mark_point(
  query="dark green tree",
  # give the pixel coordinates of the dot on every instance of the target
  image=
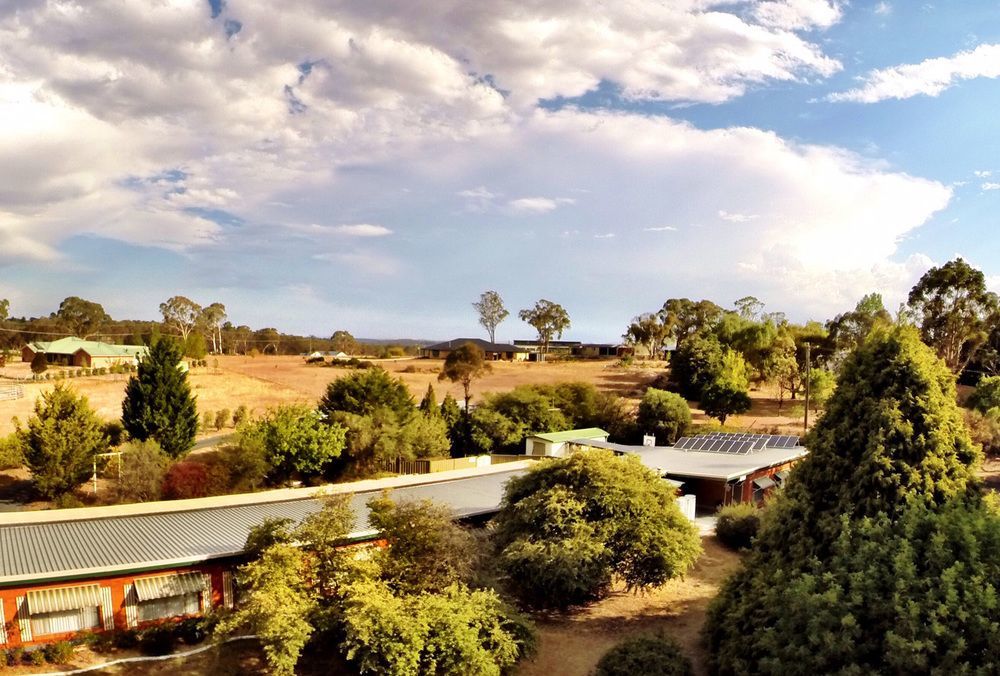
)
(696, 363)
(61, 440)
(295, 441)
(567, 526)
(986, 396)
(81, 317)
(364, 392)
(158, 401)
(39, 363)
(954, 311)
(849, 330)
(343, 341)
(645, 655)
(428, 405)
(663, 414)
(889, 461)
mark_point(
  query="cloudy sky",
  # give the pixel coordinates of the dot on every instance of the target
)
(375, 165)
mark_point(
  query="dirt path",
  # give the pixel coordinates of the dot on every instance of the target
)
(571, 645)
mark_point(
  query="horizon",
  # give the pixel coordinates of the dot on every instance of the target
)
(374, 169)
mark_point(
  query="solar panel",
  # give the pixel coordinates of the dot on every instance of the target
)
(735, 442)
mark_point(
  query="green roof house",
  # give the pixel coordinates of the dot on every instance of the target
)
(85, 353)
(556, 444)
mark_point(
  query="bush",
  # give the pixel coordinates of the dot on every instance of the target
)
(15, 656)
(58, 653)
(644, 655)
(364, 393)
(34, 658)
(663, 414)
(115, 432)
(207, 421)
(67, 501)
(11, 452)
(736, 525)
(984, 428)
(143, 467)
(186, 479)
(125, 639)
(158, 640)
(986, 395)
(191, 631)
(295, 440)
(221, 418)
(99, 641)
(240, 415)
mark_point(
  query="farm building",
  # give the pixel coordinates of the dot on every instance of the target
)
(491, 351)
(85, 353)
(555, 346)
(559, 444)
(602, 350)
(121, 567)
(719, 468)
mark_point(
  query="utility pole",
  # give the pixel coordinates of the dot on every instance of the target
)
(805, 422)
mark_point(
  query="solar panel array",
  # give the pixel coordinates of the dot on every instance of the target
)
(735, 442)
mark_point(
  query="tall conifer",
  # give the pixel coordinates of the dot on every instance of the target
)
(158, 401)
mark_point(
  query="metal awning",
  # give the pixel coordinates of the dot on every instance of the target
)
(764, 482)
(781, 476)
(165, 586)
(63, 598)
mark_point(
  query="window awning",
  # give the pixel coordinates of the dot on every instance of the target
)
(781, 476)
(63, 598)
(764, 482)
(165, 586)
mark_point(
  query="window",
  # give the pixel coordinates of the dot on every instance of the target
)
(64, 621)
(538, 448)
(170, 606)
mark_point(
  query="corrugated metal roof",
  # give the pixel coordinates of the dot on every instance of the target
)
(93, 546)
(64, 598)
(164, 586)
(572, 435)
(484, 345)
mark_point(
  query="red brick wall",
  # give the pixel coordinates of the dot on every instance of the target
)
(117, 584)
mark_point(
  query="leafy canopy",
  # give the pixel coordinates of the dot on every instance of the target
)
(364, 392)
(569, 524)
(491, 312)
(61, 440)
(663, 414)
(548, 319)
(295, 441)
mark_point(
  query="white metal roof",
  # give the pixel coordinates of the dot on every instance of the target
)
(90, 542)
(723, 466)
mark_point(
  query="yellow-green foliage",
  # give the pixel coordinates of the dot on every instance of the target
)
(736, 525)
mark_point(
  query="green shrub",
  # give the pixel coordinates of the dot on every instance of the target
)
(986, 395)
(158, 640)
(207, 421)
(99, 641)
(191, 631)
(663, 414)
(737, 525)
(67, 501)
(985, 429)
(115, 432)
(240, 415)
(221, 418)
(646, 656)
(11, 452)
(125, 639)
(34, 658)
(58, 653)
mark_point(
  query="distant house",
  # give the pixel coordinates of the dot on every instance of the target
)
(555, 346)
(558, 444)
(85, 353)
(599, 350)
(491, 351)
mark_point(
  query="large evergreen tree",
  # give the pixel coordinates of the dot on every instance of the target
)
(870, 558)
(158, 401)
(60, 441)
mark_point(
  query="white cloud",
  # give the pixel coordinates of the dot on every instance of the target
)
(737, 217)
(538, 205)
(480, 193)
(883, 8)
(662, 228)
(361, 230)
(929, 77)
(606, 235)
(798, 14)
(982, 173)
(991, 186)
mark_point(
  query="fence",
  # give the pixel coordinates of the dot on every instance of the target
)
(431, 465)
(8, 392)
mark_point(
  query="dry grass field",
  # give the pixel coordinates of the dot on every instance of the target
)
(263, 382)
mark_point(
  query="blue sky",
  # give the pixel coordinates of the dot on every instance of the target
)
(374, 167)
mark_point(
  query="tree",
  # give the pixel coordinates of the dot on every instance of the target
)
(158, 401)
(61, 440)
(695, 364)
(548, 318)
(39, 363)
(849, 330)
(821, 384)
(686, 317)
(530, 407)
(343, 341)
(465, 365)
(181, 314)
(4, 309)
(726, 394)
(644, 655)
(212, 318)
(143, 467)
(953, 310)
(295, 440)
(426, 550)
(856, 543)
(275, 605)
(491, 312)
(749, 308)
(986, 396)
(663, 414)
(81, 317)
(649, 331)
(363, 392)
(428, 405)
(561, 534)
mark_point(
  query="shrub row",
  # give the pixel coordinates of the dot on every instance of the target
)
(53, 653)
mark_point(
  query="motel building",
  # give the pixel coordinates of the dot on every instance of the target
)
(63, 572)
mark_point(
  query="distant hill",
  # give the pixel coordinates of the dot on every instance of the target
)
(405, 342)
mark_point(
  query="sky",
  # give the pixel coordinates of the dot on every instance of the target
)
(375, 166)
